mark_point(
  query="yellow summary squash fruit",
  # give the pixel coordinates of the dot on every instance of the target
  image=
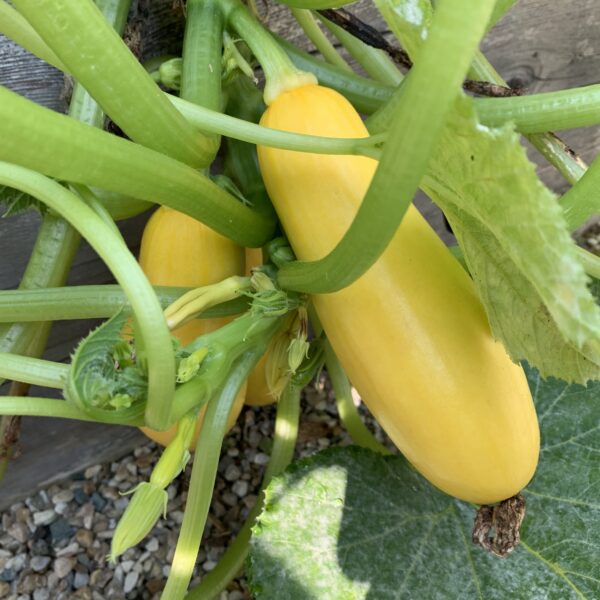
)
(257, 390)
(180, 251)
(411, 333)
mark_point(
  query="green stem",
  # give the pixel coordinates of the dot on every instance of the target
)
(15, 26)
(313, 32)
(550, 111)
(204, 472)
(551, 148)
(366, 95)
(33, 370)
(214, 122)
(91, 302)
(147, 310)
(591, 262)
(428, 94)
(375, 62)
(583, 200)
(284, 442)
(45, 407)
(60, 147)
(99, 59)
(202, 44)
(347, 410)
(280, 72)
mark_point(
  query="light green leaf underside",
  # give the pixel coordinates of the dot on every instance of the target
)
(350, 524)
(519, 252)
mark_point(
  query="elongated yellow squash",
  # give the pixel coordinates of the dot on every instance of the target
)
(411, 332)
(178, 250)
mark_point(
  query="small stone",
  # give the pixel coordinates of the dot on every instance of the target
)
(233, 452)
(261, 459)
(130, 581)
(41, 594)
(232, 473)
(155, 585)
(80, 496)
(63, 496)
(60, 530)
(29, 582)
(22, 514)
(80, 580)
(152, 545)
(52, 580)
(91, 472)
(99, 578)
(84, 538)
(63, 566)
(235, 595)
(70, 550)
(39, 563)
(177, 516)
(240, 488)
(8, 575)
(83, 593)
(254, 439)
(98, 501)
(209, 565)
(126, 565)
(84, 560)
(45, 517)
(229, 498)
(61, 508)
(19, 532)
(4, 589)
(17, 562)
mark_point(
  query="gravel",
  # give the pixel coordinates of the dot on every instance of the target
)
(53, 544)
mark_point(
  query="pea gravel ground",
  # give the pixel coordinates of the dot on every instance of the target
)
(53, 545)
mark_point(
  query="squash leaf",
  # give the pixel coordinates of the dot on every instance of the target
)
(16, 202)
(349, 523)
(522, 259)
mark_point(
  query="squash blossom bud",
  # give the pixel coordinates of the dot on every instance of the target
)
(142, 512)
(190, 365)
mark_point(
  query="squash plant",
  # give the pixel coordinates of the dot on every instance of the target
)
(435, 341)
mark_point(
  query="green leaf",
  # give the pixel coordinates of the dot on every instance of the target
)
(104, 377)
(17, 202)
(517, 247)
(349, 523)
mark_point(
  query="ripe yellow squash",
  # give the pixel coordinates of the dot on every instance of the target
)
(411, 333)
(180, 251)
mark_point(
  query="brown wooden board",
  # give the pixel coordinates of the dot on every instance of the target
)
(541, 45)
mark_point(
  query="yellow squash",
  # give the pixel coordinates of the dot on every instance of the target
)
(180, 251)
(257, 390)
(411, 332)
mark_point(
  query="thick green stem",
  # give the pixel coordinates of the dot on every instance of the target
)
(212, 121)
(365, 94)
(147, 310)
(549, 111)
(582, 201)
(375, 62)
(345, 404)
(204, 472)
(99, 59)
(284, 442)
(46, 407)
(33, 370)
(419, 117)
(591, 263)
(202, 46)
(313, 32)
(280, 72)
(551, 148)
(60, 147)
(91, 302)
(14, 26)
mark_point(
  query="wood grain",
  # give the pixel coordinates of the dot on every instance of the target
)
(540, 45)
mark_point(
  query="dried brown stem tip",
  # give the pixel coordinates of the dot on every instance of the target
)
(496, 528)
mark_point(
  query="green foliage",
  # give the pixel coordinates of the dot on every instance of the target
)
(16, 202)
(517, 247)
(353, 524)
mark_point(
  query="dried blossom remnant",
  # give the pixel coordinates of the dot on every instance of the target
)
(496, 528)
